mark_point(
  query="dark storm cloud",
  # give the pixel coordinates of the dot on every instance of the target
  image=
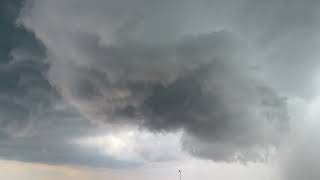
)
(202, 84)
(23, 88)
(35, 124)
(169, 65)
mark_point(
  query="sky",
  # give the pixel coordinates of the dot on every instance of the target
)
(140, 89)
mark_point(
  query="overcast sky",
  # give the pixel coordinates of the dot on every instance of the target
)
(138, 89)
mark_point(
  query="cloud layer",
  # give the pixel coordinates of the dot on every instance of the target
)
(221, 72)
(142, 69)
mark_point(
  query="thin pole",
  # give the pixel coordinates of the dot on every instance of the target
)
(180, 174)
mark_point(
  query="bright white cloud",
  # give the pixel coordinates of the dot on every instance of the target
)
(137, 146)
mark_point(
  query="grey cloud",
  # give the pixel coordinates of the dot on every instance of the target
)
(25, 95)
(280, 32)
(32, 126)
(201, 83)
(36, 124)
(52, 145)
(167, 65)
(23, 88)
(288, 40)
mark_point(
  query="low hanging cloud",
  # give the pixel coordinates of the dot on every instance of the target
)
(25, 94)
(121, 70)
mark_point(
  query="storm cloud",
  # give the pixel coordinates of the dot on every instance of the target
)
(25, 94)
(223, 73)
(139, 68)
